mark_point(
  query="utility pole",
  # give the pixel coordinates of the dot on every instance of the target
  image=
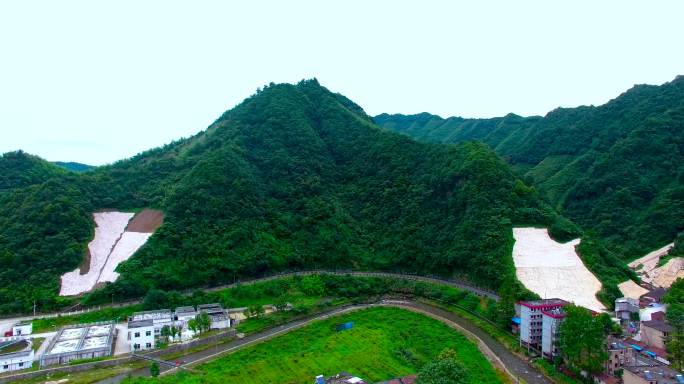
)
(34, 308)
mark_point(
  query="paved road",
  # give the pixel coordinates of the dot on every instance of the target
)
(514, 365)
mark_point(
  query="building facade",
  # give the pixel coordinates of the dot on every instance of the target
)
(654, 333)
(531, 320)
(159, 318)
(16, 353)
(141, 334)
(23, 328)
(619, 356)
(219, 317)
(625, 307)
(551, 321)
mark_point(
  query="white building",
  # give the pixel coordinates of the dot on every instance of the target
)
(185, 314)
(159, 318)
(551, 321)
(15, 353)
(23, 328)
(531, 320)
(141, 334)
(219, 317)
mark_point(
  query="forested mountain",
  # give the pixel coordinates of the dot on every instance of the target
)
(293, 177)
(73, 166)
(616, 170)
(19, 169)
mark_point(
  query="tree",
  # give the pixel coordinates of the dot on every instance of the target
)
(675, 317)
(582, 340)
(280, 302)
(165, 331)
(174, 331)
(154, 369)
(203, 322)
(193, 326)
(444, 370)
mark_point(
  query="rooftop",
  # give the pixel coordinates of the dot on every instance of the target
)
(185, 310)
(661, 374)
(556, 313)
(82, 337)
(161, 314)
(140, 323)
(656, 324)
(14, 346)
(543, 303)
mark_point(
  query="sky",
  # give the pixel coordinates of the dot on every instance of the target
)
(98, 81)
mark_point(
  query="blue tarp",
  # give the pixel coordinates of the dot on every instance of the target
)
(638, 348)
(650, 354)
(516, 320)
(345, 326)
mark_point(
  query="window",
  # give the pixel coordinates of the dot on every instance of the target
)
(21, 364)
(136, 346)
(148, 333)
(5, 366)
(137, 334)
(148, 345)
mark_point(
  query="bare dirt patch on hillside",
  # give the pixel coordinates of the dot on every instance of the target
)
(552, 269)
(146, 221)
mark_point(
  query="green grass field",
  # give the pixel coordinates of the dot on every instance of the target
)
(384, 343)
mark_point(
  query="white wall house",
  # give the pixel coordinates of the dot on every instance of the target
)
(22, 329)
(141, 334)
(20, 357)
(159, 318)
(219, 317)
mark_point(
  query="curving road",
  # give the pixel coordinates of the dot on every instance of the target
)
(514, 365)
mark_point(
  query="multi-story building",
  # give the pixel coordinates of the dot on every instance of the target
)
(141, 334)
(619, 355)
(531, 320)
(625, 307)
(551, 321)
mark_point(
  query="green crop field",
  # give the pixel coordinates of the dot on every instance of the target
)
(383, 343)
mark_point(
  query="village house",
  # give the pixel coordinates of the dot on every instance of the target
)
(22, 328)
(651, 375)
(620, 354)
(141, 334)
(654, 333)
(218, 316)
(625, 307)
(159, 318)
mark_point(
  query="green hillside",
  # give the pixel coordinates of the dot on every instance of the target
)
(295, 177)
(617, 170)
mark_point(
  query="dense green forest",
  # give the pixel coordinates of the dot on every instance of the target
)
(295, 177)
(617, 170)
(73, 166)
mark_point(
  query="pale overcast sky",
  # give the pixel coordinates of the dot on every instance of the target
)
(95, 81)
